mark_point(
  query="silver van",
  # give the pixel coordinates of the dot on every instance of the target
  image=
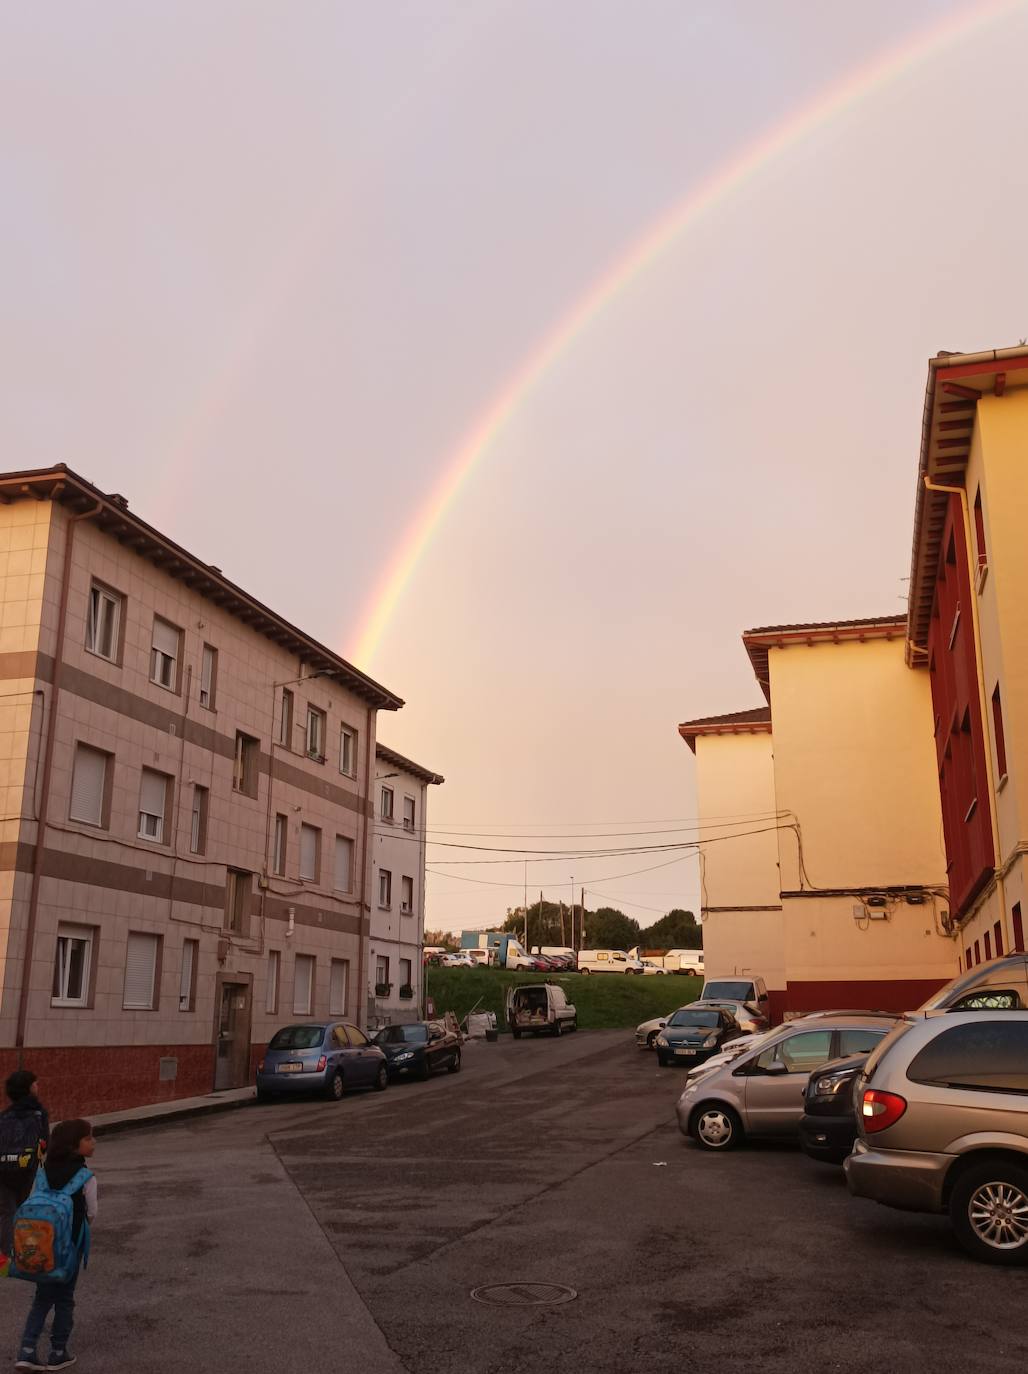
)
(760, 1092)
(737, 988)
(999, 985)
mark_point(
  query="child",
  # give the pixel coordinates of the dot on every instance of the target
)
(24, 1132)
(71, 1144)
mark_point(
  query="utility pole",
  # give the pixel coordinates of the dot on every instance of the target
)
(581, 921)
(526, 906)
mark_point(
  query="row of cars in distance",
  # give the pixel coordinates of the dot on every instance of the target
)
(331, 1057)
(510, 954)
(927, 1111)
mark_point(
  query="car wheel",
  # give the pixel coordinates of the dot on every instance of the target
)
(583, 971)
(574, 1024)
(989, 1211)
(382, 1079)
(454, 1065)
(423, 1070)
(558, 1027)
(715, 1126)
(334, 1089)
(264, 1096)
(651, 1040)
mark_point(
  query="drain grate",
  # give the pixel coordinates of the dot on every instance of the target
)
(523, 1294)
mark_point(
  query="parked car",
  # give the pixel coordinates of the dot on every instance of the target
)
(752, 991)
(320, 1056)
(943, 1127)
(761, 1091)
(750, 1022)
(999, 985)
(419, 1048)
(649, 967)
(607, 961)
(695, 1033)
(462, 959)
(539, 1008)
(828, 1126)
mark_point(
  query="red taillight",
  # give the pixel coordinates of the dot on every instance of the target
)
(323, 1063)
(881, 1109)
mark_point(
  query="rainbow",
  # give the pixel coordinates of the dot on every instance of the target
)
(827, 106)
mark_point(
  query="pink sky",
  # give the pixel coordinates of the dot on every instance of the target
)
(266, 265)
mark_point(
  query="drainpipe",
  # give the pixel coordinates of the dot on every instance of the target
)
(48, 759)
(365, 906)
(983, 702)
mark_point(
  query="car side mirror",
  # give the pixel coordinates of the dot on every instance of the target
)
(777, 1068)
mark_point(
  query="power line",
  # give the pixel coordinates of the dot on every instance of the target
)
(558, 856)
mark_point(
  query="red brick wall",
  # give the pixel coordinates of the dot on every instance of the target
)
(87, 1080)
(896, 994)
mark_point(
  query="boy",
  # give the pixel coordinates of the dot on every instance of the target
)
(71, 1144)
(24, 1132)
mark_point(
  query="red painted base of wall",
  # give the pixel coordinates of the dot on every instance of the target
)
(887, 994)
(87, 1080)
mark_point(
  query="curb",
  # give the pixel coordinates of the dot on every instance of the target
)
(150, 1119)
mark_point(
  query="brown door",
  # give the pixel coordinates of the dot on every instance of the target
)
(232, 1042)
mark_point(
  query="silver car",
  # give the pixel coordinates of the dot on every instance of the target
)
(760, 1092)
(942, 1112)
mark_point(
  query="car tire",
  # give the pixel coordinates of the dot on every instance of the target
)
(515, 1032)
(988, 1208)
(583, 971)
(558, 1027)
(381, 1079)
(423, 1070)
(264, 1096)
(715, 1126)
(334, 1088)
(651, 1039)
(574, 1024)
(454, 1065)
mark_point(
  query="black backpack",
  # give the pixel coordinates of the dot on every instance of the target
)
(21, 1134)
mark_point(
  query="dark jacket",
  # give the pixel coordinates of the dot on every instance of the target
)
(25, 1106)
(60, 1172)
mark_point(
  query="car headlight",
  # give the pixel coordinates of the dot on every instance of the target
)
(830, 1087)
(662, 1040)
(710, 1041)
(408, 1054)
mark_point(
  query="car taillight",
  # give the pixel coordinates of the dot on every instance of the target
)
(323, 1064)
(880, 1109)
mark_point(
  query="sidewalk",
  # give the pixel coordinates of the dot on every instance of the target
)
(158, 1112)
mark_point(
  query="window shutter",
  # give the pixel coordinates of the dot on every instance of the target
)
(87, 785)
(165, 638)
(302, 982)
(206, 674)
(343, 849)
(308, 851)
(140, 968)
(271, 1001)
(337, 988)
(185, 985)
(152, 792)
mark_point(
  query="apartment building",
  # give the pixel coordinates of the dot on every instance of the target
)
(398, 887)
(185, 854)
(968, 625)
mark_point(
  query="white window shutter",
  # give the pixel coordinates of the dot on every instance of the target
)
(344, 849)
(152, 792)
(206, 674)
(87, 785)
(140, 969)
(165, 638)
(337, 987)
(271, 1000)
(303, 979)
(308, 851)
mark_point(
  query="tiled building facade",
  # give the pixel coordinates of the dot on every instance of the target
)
(185, 854)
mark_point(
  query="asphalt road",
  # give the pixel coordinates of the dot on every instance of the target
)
(348, 1236)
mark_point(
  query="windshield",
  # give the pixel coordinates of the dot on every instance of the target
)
(974, 978)
(400, 1035)
(706, 1020)
(730, 990)
(298, 1038)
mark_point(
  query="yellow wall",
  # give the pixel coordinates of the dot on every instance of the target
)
(735, 791)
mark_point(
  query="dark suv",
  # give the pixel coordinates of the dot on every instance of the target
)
(828, 1126)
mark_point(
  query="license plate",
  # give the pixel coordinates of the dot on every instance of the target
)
(685, 1051)
(290, 1068)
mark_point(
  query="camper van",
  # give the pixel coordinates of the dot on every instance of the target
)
(608, 961)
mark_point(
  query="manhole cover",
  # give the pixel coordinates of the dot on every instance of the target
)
(523, 1294)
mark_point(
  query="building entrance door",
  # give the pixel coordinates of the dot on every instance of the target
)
(232, 1040)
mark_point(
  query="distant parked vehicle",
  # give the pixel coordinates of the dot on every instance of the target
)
(539, 1008)
(671, 960)
(419, 1048)
(649, 967)
(462, 959)
(752, 991)
(828, 1126)
(607, 961)
(694, 1034)
(943, 1125)
(750, 1022)
(320, 1056)
(433, 954)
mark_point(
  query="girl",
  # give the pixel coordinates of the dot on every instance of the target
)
(71, 1144)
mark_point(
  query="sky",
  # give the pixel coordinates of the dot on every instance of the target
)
(269, 269)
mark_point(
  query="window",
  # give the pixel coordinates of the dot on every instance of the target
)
(187, 977)
(153, 805)
(348, 751)
(198, 820)
(385, 888)
(238, 887)
(89, 786)
(164, 654)
(343, 881)
(310, 852)
(997, 930)
(989, 999)
(140, 971)
(278, 858)
(988, 944)
(285, 723)
(1017, 932)
(103, 623)
(1001, 744)
(274, 970)
(382, 971)
(357, 1038)
(800, 1053)
(208, 676)
(315, 734)
(245, 769)
(386, 808)
(408, 813)
(992, 1055)
(73, 963)
(979, 530)
(303, 984)
(407, 894)
(339, 977)
(858, 1041)
(968, 961)
(977, 953)
(405, 973)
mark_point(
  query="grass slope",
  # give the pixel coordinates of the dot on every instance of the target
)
(604, 1000)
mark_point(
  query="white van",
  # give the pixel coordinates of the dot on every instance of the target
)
(685, 961)
(540, 1008)
(607, 961)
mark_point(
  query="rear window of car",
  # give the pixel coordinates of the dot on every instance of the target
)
(730, 991)
(706, 1020)
(399, 1035)
(992, 1055)
(859, 1041)
(297, 1038)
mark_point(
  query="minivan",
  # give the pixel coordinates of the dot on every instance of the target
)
(942, 1111)
(539, 1008)
(736, 988)
(607, 961)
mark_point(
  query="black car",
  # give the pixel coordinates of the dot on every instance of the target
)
(693, 1034)
(419, 1048)
(828, 1127)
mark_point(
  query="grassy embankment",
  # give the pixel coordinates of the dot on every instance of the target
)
(603, 1000)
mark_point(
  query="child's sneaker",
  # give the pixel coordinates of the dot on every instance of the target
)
(59, 1359)
(27, 1359)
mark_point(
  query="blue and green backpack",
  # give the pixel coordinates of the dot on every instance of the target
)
(45, 1251)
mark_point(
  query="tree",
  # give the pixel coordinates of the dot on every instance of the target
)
(442, 939)
(609, 928)
(676, 930)
(544, 924)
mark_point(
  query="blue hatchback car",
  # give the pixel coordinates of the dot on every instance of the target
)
(320, 1056)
